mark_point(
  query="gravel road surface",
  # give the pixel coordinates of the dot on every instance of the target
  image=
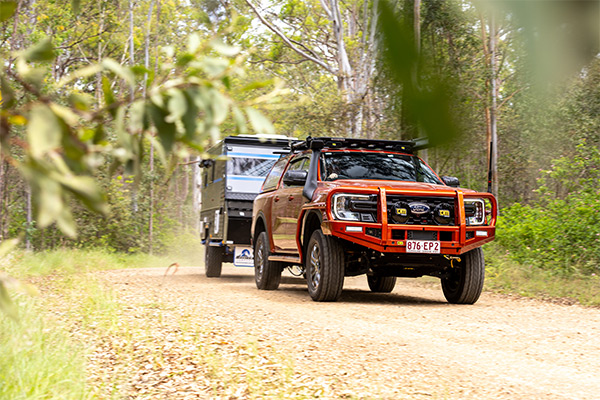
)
(409, 344)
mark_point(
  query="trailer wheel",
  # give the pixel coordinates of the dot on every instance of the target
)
(213, 261)
(465, 282)
(381, 284)
(267, 274)
(324, 267)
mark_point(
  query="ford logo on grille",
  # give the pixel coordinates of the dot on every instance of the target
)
(419, 208)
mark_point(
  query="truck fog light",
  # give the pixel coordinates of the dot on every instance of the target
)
(354, 229)
(481, 233)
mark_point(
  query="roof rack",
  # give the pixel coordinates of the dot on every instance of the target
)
(317, 143)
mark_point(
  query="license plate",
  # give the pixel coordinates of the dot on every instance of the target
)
(423, 246)
(243, 256)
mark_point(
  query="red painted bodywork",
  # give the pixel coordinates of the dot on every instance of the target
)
(321, 202)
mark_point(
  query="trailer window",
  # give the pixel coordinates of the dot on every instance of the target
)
(249, 166)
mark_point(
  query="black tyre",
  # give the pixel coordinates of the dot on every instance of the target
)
(324, 265)
(465, 282)
(381, 284)
(213, 261)
(267, 274)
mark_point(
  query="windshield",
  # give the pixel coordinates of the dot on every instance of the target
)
(372, 165)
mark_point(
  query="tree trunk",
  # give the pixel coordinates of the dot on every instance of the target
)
(28, 245)
(493, 111)
(100, 55)
(3, 214)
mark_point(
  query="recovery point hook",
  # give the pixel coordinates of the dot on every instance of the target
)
(452, 259)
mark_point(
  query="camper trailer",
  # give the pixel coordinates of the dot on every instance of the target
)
(232, 177)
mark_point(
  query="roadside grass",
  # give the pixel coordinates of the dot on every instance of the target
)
(80, 340)
(504, 275)
(38, 360)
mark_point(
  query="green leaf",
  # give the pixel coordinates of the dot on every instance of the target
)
(85, 189)
(138, 119)
(194, 42)
(420, 102)
(158, 148)
(184, 59)
(258, 85)
(7, 10)
(259, 122)
(87, 134)
(109, 96)
(44, 131)
(66, 223)
(122, 72)
(7, 246)
(41, 51)
(82, 102)
(124, 139)
(166, 130)
(177, 105)
(190, 119)
(6, 304)
(80, 73)
(220, 106)
(240, 121)
(99, 134)
(213, 66)
(76, 6)
(224, 49)
(7, 96)
(47, 197)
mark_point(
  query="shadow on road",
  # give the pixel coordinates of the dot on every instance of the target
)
(366, 297)
(295, 287)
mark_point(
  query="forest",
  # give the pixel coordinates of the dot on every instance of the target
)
(106, 104)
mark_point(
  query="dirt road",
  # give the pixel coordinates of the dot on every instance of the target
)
(408, 344)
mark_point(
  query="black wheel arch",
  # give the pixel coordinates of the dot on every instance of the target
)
(311, 222)
(259, 226)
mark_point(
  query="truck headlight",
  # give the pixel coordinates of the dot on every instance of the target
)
(475, 211)
(341, 206)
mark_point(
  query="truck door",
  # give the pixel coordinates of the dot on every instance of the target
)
(287, 203)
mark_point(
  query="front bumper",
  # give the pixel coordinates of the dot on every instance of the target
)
(387, 237)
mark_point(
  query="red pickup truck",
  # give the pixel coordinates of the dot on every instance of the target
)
(339, 207)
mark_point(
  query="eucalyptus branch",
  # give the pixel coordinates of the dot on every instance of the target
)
(287, 41)
(511, 96)
(263, 60)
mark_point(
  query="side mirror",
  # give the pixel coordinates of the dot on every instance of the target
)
(295, 178)
(451, 181)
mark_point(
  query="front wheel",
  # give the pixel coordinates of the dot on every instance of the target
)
(464, 283)
(381, 284)
(324, 267)
(267, 274)
(213, 261)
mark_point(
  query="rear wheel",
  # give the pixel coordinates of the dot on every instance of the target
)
(465, 282)
(324, 267)
(213, 261)
(381, 284)
(267, 274)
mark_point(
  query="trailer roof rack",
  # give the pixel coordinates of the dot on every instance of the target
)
(317, 143)
(277, 140)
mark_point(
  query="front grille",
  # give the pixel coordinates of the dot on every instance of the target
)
(412, 210)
